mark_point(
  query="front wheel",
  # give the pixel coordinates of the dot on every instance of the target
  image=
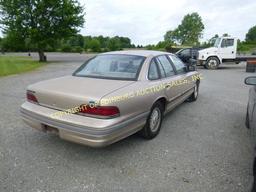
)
(154, 121)
(194, 95)
(212, 63)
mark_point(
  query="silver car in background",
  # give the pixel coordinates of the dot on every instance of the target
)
(250, 120)
(111, 96)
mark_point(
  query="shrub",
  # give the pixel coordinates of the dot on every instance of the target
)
(66, 48)
(94, 45)
(77, 49)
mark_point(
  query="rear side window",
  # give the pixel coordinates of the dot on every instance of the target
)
(185, 52)
(153, 71)
(166, 65)
(227, 43)
(179, 65)
(230, 42)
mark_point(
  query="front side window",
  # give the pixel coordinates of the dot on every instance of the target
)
(166, 65)
(179, 65)
(153, 71)
(126, 67)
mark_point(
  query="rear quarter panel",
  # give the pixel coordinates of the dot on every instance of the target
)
(135, 99)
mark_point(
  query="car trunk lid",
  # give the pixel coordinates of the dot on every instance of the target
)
(71, 91)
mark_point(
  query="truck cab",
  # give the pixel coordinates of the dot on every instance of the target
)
(224, 50)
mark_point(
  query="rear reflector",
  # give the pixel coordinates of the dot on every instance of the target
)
(31, 97)
(103, 111)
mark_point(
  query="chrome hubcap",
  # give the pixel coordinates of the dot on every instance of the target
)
(213, 63)
(155, 118)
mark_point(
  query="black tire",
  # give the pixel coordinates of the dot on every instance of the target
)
(194, 95)
(148, 132)
(247, 119)
(212, 63)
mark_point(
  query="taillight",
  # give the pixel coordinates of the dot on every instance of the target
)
(31, 97)
(101, 111)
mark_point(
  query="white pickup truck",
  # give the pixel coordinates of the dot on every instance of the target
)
(224, 50)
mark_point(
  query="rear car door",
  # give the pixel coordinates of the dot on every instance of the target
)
(169, 77)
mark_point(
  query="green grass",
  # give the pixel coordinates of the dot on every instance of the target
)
(17, 64)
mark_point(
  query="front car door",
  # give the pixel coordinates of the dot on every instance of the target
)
(186, 83)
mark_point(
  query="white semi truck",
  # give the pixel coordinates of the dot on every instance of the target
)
(224, 50)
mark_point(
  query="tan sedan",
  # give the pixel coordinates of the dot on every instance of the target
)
(111, 96)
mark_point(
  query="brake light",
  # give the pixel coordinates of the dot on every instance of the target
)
(103, 111)
(31, 97)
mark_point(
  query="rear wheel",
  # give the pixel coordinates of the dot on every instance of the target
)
(212, 63)
(154, 121)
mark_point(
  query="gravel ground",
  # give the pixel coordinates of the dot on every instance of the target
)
(203, 146)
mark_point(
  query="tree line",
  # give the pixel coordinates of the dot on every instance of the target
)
(76, 43)
(53, 25)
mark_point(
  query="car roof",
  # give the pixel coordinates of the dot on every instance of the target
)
(144, 53)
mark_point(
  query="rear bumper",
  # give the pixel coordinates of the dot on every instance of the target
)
(79, 129)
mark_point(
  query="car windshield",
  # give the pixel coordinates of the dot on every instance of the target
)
(217, 42)
(126, 67)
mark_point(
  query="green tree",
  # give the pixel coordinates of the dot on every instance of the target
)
(125, 42)
(150, 47)
(13, 42)
(251, 35)
(114, 44)
(170, 37)
(1, 45)
(87, 40)
(188, 32)
(94, 45)
(76, 41)
(43, 22)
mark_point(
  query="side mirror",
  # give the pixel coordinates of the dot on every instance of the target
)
(250, 80)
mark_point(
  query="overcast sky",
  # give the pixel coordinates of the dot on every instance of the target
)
(146, 21)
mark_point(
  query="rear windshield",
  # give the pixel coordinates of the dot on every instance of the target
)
(126, 67)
